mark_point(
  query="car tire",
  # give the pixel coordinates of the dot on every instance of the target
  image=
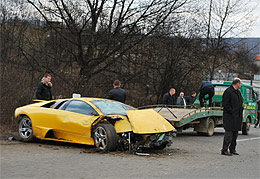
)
(105, 137)
(25, 129)
(246, 127)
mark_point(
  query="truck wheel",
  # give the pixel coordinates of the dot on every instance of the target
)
(211, 126)
(246, 127)
(105, 137)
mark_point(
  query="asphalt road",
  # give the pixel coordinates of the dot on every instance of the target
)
(190, 156)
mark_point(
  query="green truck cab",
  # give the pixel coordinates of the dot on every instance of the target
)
(249, 96)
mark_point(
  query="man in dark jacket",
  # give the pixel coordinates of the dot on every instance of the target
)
(232, 116)
(169, 98)
(206, 88)
(44, 88)
(117, 93)
(190, 99)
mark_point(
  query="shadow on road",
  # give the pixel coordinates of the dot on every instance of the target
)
(192, 133)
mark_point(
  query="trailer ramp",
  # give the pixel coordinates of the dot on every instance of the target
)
(179, 113)
(182, 116)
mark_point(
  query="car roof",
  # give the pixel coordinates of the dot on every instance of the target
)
(87, 99)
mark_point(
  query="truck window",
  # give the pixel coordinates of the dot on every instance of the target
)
(219, 90)
(249, 94)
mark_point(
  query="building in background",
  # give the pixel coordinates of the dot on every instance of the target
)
(257, 60)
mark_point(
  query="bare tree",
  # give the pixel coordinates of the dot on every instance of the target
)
(98, 33)
(223, 19)
(13, 75)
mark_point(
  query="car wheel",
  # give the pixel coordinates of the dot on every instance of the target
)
(25, 129)
(211, 126)
(246, 127)
(105, 137)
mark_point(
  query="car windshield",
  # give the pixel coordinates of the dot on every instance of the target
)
(112, 107)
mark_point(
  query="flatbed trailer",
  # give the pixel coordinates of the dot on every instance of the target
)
(203, 120)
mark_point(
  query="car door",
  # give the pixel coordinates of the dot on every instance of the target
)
(75, 121)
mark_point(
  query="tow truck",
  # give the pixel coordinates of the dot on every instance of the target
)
(205, 120)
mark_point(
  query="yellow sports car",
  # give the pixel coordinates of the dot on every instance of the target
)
(107, 124)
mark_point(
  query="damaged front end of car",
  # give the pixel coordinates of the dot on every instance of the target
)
(137, 130)
(136, 142)
(160, 141)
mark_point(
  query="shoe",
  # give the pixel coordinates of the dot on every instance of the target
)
(226, 153)
(234, 153)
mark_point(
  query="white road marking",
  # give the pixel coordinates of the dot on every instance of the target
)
(248, 139)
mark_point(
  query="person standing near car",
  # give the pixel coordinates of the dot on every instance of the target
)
(44, 88)
(181, 100)
(232, 117)
(190, 99)
(169, 97)
(117, 94)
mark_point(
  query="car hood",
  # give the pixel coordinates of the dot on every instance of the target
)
(148, 121)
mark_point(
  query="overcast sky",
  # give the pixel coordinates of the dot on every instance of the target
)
(256, 28)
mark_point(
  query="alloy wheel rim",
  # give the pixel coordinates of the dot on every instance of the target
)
(100, 138)
(25, 128)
